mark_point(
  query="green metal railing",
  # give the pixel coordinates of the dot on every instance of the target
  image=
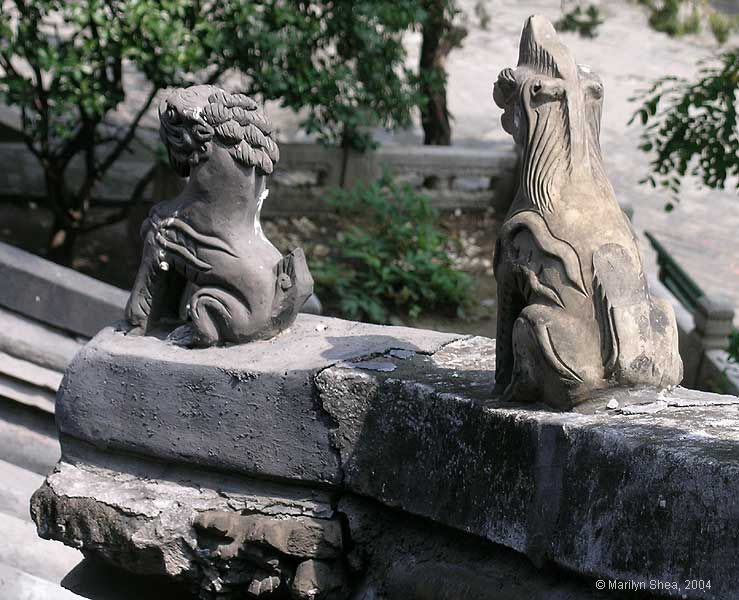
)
(675, 279)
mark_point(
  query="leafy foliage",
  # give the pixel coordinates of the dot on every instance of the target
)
(341, 60)
(665, 16)
(482, 14)
(585, 22)
(733, 348)
(62, 63)
(669, 16)
(722, 25)
(389, 257)
(692, 127)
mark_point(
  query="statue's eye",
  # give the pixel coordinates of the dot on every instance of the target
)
(536, 88)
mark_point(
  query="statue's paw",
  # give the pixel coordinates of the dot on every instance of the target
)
(135, 330)
(137, 310)
(503, 393)
(184, 335)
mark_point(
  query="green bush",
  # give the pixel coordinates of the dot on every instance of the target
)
(665, 16)
(390, 257)
(721, 26)
(585, 22)
(669, 17)
(733, 348)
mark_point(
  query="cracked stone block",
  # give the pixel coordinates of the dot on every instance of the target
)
(257, 453)
(223, 536)
(248, 408)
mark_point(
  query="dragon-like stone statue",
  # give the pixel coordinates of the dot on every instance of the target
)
(207, 266)
(575, 313)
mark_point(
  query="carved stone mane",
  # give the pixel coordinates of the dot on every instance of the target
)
(234, 120)
(574, 312)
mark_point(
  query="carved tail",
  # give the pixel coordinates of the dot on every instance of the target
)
(294, 286)
(638, 334)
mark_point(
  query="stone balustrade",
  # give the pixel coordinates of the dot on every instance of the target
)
(368, 462)
(466, 178)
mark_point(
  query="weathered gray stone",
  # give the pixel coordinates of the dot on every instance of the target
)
(403, 418)
(617, 496)
(248, 408)
(56, 295)
(27, 437)
(714, 318)
(303, 537)
(219, 533)
(227, 281)
(24, 392)
(34, 342)
(407, 558)
(574, 310)
(319, 580)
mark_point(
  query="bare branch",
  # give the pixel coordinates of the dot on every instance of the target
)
(123, 143)
(136, 197)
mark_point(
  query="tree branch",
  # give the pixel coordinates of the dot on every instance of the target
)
(123, 143)
(135, 199)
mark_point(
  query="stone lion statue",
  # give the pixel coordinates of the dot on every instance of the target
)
(575, 313)
(207, 267)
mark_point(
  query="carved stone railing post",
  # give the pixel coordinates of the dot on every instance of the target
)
(714, 317)
(706, 360)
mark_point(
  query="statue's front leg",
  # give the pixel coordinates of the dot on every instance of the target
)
(139, 306)
(509, 308)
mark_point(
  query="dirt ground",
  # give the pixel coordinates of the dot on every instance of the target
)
(111, 254)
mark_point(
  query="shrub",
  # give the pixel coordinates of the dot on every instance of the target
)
(721, 26)
(668, 16)
(585, 22)
(733, 348)
(389, 257)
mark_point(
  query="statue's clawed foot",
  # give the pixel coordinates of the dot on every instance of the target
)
(185, 335)
(135, 330)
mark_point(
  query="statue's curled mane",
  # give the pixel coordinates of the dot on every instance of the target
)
(192, 117)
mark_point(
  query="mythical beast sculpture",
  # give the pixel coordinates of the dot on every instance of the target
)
(206, 260)
(574, 310)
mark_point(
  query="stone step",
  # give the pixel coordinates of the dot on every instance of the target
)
(26, 393)
(16, 490)
(98, 580)
(56, 295)
(16, 584)
(30, 372)
(35, 342)
(28, 437)
(21, 548)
